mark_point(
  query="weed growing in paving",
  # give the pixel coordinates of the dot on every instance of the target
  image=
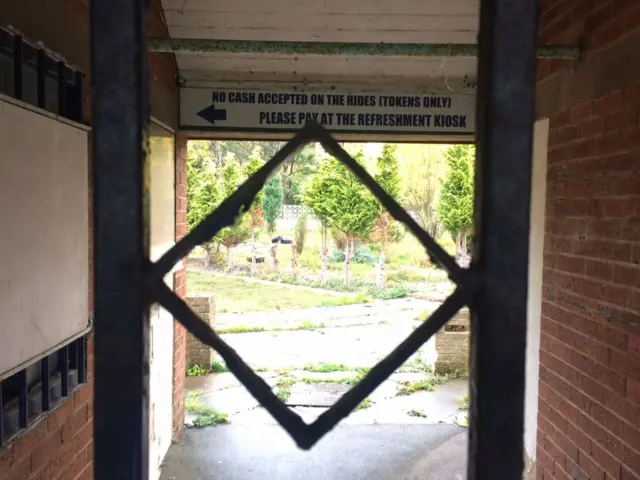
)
(343, 380)
(219, 367)
(309, 325)
(286, 382)
(417, 413)
(407, 388)
(463, 402)
(283, 394)
(205, 416)
(242, 329)
(325, 367)
(196, 371)
(366, 403)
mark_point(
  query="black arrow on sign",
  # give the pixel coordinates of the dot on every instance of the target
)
(211, 114)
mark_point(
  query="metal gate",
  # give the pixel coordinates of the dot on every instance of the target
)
(495, 286)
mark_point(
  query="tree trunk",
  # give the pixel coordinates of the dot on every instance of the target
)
(463, 247)
(324, 253)
(347, 263)
(294, 263)
(207, 257)
(253, 252)
(274, 257)
(229, 259)
(380, 272)
(458, 240)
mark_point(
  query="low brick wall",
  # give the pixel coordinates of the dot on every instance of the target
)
(452, 345)
(197, 352)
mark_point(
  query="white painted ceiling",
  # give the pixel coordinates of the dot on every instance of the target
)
(369, 21)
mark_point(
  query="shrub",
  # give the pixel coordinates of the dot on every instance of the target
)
(363, 255)
(397, 291)
(300, 232)
(310, 258)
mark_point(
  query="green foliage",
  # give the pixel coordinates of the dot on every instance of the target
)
(363, 255)
(325, 367)
(203, 195)
(407, 388)
(455, 209)
(239, 232)
(196, 371)
(417, 413)
(391, 293)
(272, 201)
(300, 232)
(296, 173)
(218, 366)
(388, 176)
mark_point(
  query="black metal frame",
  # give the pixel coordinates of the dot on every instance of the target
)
(495, 287)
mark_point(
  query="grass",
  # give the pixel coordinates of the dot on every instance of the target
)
(343, 380)
(325, 367)
(344, 300)
(407, 388)
(286, 382)
(205, 416)
(417, 413)
(237, 296)
(243, 329)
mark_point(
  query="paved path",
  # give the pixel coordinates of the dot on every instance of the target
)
(349, 452)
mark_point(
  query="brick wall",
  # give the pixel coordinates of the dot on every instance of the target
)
(199, 353)
(180, 287)
(59, 446)
(589, 391)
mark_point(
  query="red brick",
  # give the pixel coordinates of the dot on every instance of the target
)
(72, 470)
(556, 453)
(60, 415)
(608, 143)
(87, 473)
(609, 103)
(634, 345)
(627, 455)
(601, 270)
(83, 395)
(616, 208)
(6, 460)
(628, 475)
(627, 275)
(606, 419)
(545, 460)
(631, 436)
(626, 364)
(606, 461)
(633, 390)
(29, 440)
(74, 424)
(64, 456)
(21, 469)
(591, 468)
(610, 378)
(625, 118)
(580, 438)
(592, 429)
(46, 450)
(582, 111)
(592, 127)
(614, 294)
(83, 437)
(604, 250)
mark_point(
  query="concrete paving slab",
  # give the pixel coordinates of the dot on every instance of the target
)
(349, 452)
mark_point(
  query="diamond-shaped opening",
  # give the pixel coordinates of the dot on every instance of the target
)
(313, 313)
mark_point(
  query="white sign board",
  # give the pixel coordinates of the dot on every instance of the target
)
(288, 111)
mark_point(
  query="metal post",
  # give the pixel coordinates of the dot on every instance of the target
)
(120, 114)
(506, 83)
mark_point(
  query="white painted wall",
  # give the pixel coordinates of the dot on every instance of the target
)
(161, 163)
(44, 231)
(534, 302)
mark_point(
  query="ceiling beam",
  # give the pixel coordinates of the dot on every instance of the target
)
(202, 45)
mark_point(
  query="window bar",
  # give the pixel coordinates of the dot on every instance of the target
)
(18, 54)
(120, 114)
(23, 403)
(505, 96)
(82, 359)
(78, 97)
(62, 89)
(42, 78)
(63, 366)
(1, 416)
(44, 382)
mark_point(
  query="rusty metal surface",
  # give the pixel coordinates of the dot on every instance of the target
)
(201, 45)
(506, 87)
(120, 113)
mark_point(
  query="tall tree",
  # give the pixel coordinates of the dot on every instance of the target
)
(203, 195)
(232, 236)
(255, 217)
(272, 201)
(296, 172)
(314, 197)
(388, 177)
(353, 210)
(455, 208)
